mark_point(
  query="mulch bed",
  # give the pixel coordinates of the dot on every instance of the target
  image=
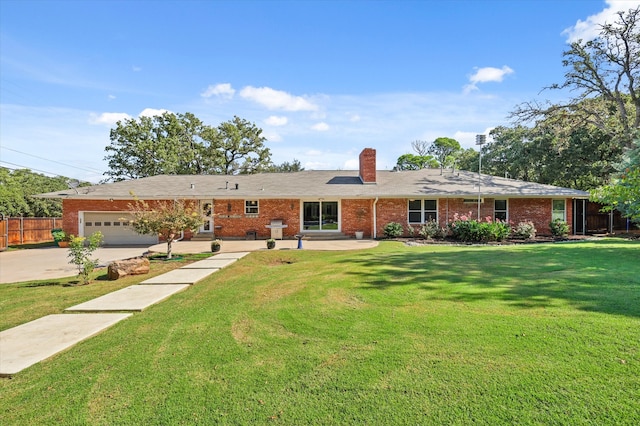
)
(509, 241)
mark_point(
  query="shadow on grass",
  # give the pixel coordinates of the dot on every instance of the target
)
(32, 246)
(52, 284)
(595, 276)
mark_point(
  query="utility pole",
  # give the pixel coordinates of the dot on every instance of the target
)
(480, 140)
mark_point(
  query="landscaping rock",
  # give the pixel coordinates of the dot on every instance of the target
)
(132, 266)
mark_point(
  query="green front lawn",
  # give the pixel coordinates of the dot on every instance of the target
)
(532, 334)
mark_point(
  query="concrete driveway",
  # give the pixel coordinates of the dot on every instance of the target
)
(52, 262)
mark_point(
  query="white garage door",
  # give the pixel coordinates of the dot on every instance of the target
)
(115, 229)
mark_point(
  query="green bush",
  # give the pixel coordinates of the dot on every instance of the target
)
(470, 230)
(392, 230)
(58, 235)
(465, 229)
(431, 229)
(497, 230)
(559, 228)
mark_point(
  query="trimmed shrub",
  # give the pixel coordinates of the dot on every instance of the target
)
(497, 230)
(470, 230)
(431, 229)
(392, 230)
(559, 228)
(524, 230)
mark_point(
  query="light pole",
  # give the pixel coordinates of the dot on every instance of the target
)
(480, 140)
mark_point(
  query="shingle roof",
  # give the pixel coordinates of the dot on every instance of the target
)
(318, 183)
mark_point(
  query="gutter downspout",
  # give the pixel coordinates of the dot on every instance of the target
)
(375, 219)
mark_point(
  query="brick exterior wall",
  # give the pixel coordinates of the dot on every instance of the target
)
(231, 221)
(536, 210)
(391, 210)
(230, 217)
(357, 215)
(368, 165)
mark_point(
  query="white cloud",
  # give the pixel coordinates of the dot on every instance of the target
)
(151, 112)
(223, 90)
(354, 118)
(136, 68)
(109, 118)
(590, 27)
(277, 99)
(320, 127)
(487, 75)
(275, 120)
(111, 97)
(314, 153)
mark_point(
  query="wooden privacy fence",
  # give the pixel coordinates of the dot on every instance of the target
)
(26, 230)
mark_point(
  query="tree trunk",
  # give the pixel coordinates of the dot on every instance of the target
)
(169, 242)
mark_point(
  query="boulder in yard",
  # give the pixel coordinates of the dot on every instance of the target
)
(133, 266)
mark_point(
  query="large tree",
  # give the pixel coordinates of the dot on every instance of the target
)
(604, 74)
(623, 194)
(237, 146)
(183, 144)
(467, 159)
(415, 162)
(580, 158)
(444, 150)
(17, 188)
(163, 144)
(286, 167)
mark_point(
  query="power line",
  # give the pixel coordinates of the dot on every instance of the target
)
(52, 161)
(36, 170)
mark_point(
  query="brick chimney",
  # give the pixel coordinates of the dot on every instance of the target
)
(368, 165)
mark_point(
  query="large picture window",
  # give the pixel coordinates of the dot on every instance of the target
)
(559, 210)
(422, 211)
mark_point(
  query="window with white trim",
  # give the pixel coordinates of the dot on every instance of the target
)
(559, 210)
(251, 207)
(422, 211)
(500, 210)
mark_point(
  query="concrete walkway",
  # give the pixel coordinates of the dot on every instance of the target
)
(27, 344)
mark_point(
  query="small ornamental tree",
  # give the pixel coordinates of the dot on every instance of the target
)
(80, 250)
(167, 219)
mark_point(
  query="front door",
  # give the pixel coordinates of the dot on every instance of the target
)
(206, 209)
(320, 216)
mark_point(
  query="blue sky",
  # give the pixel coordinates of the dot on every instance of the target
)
(323, 79)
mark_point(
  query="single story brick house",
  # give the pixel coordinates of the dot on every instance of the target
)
(320, 202)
